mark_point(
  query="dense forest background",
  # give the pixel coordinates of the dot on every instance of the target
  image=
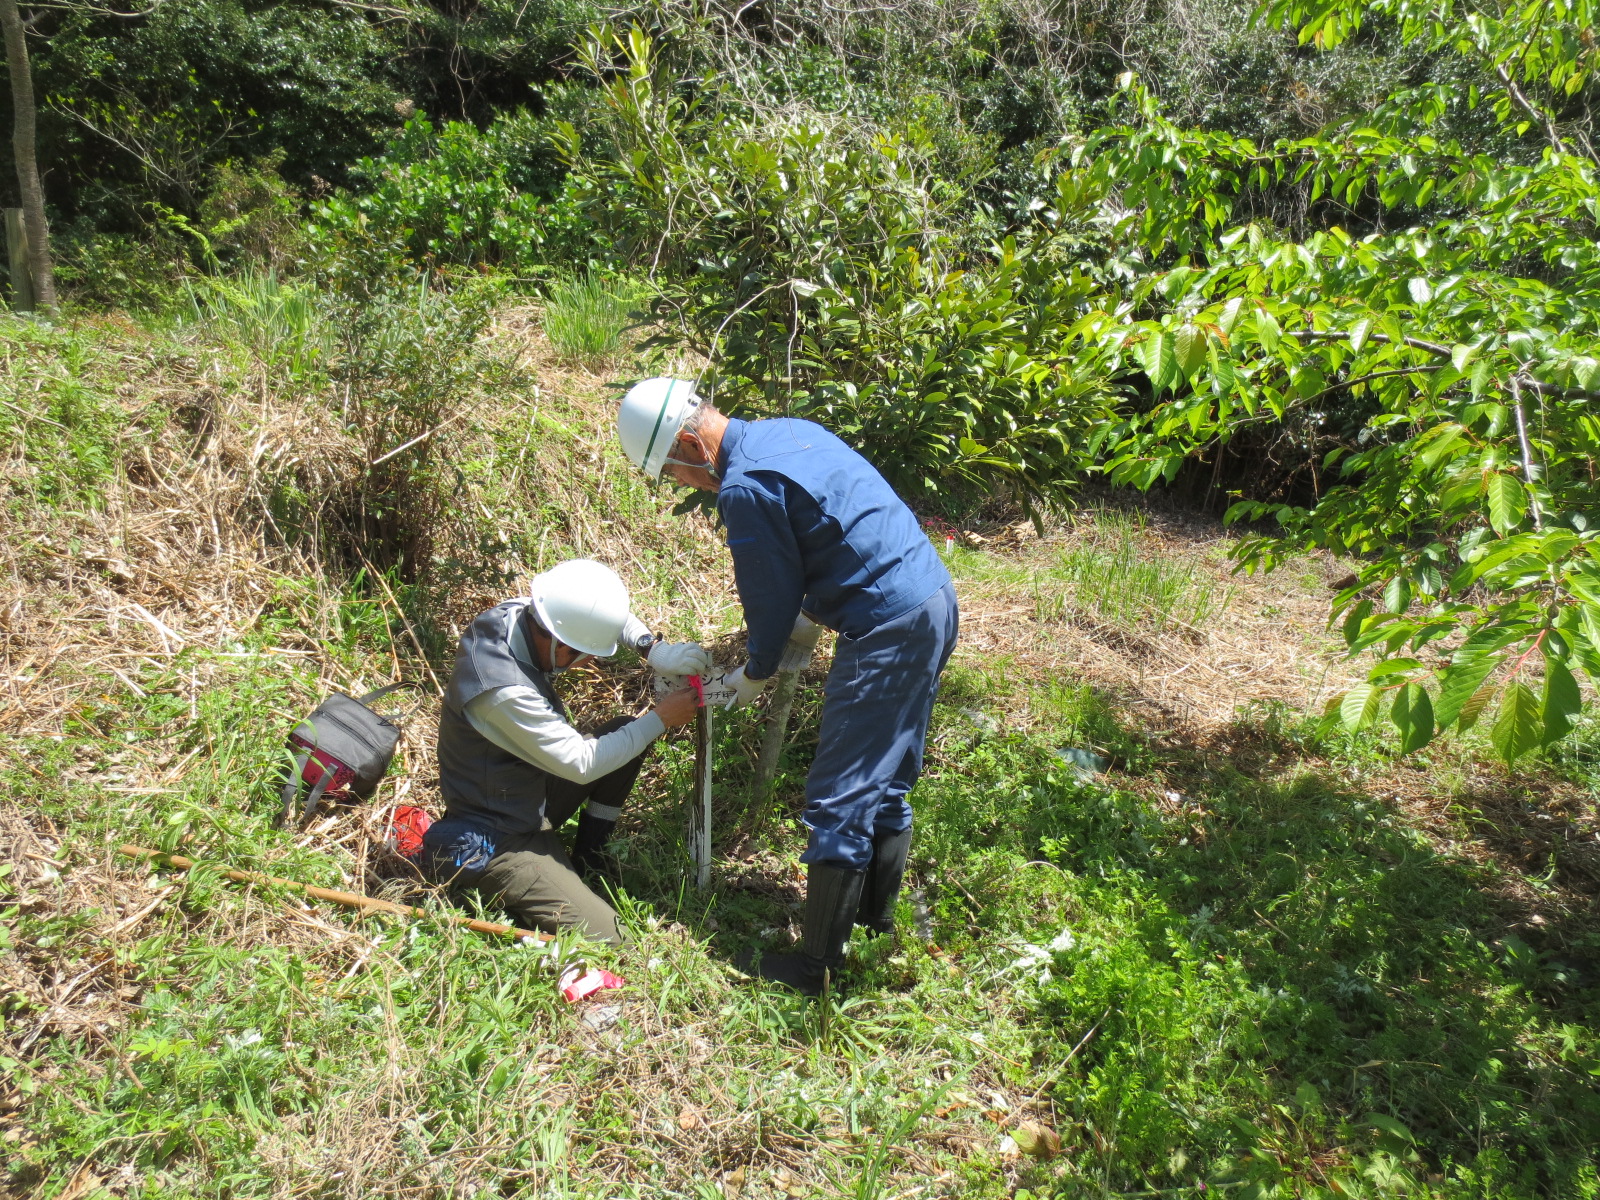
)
(1328, 261)
(148, 106)
(1243, 360)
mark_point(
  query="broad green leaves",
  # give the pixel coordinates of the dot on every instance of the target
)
(1189, 350)
(1518, 729)
(1359, 707)
(1460, 684)
(1507, 503)
(1157, 356)
(810, 262)
(1441, 375)
(1413, 717)
(1562, 702)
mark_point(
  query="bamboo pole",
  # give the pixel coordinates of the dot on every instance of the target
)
(366, 904)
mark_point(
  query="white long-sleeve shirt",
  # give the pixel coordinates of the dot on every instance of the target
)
(522, 722)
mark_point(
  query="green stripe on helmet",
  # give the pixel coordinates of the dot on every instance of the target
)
(656, 431)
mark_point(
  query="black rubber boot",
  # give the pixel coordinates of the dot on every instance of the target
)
(884, 877)
(832, 896)
(589, 854)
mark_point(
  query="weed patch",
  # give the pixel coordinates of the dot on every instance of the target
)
(586, 315)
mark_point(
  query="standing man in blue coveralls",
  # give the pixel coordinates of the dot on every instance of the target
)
(817, 534)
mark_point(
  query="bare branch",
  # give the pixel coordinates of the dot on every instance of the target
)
(1538, 114)
(94, 10)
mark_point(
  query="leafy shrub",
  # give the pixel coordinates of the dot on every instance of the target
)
(408, 356)
(118, 270)
(1435, 382)
(199, 83)
(814, 265)
(445, 196)
(251, 215)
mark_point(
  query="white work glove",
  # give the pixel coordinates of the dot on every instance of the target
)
(802, 644)
(679, 658)
(744, 690)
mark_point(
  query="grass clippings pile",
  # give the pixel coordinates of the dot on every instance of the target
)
(1143, 604)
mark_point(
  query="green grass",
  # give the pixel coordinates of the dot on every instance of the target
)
(1111, 572)
(279, 323)
(586, 315)
(1237, 972)
(59, 428)
(1277, 986)
(1127, 586)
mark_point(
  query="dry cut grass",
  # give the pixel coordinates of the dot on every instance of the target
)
(1263, 639)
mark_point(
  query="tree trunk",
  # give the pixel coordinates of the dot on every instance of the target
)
(23, 146)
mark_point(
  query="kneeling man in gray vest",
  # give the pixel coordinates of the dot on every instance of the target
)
(513, 770)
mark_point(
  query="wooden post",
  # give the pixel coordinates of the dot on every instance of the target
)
(772, 736)
(22, 297)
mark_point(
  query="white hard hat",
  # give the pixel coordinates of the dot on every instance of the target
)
(582, 604)
(652, 415)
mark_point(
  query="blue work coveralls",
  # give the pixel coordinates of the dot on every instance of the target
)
(811, 524)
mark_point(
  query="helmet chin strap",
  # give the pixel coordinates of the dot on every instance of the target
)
(550, 654)
(705, 464)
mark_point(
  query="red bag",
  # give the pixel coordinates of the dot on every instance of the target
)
(407, 824)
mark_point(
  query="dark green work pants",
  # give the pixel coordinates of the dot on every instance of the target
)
(533, 879)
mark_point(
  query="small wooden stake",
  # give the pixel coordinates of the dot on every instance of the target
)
(22, 298)
(777, 728)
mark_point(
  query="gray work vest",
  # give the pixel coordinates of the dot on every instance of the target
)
(481, 782)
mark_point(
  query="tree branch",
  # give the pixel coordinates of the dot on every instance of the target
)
(95, 10)
(1527, 106)
(1521, 379)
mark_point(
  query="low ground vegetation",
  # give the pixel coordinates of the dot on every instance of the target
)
(1207, 894)
(1248, 953)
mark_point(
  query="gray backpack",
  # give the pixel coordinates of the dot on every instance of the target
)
(340, 751)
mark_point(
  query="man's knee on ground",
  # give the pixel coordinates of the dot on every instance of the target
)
(538, 890)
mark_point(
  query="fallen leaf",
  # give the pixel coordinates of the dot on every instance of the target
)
(83, 1181)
